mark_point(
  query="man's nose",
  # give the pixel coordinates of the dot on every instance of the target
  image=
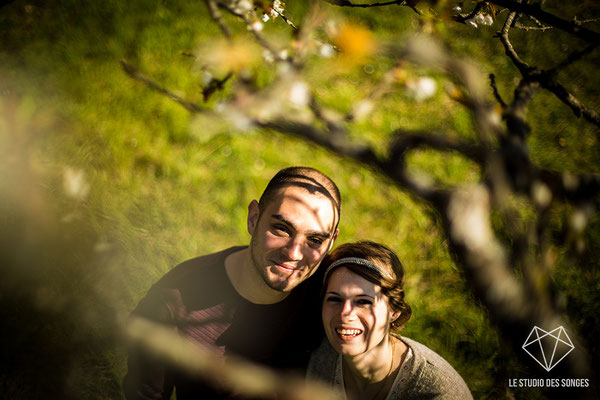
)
(293, 250)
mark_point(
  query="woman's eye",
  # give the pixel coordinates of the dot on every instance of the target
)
(333, 299)
(364, 302)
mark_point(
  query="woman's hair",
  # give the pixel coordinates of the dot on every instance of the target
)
(385, 260)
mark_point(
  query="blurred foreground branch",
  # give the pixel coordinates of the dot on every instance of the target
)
(236, 375)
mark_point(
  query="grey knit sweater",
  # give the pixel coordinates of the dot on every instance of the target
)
(424, 374)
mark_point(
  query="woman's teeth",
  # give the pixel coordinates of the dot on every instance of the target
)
(348, 332)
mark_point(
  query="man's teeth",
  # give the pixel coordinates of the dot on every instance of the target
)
(348, 332)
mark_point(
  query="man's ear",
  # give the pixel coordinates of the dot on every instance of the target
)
(335, 235)
(253, 213)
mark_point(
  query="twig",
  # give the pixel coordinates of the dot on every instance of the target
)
(508, 47)
(535, 10)
(135, 74)
(575, 56)
(346, 3)
(495, 91)
(215, 14)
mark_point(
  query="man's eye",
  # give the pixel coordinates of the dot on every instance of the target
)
(281, 228)
(316, 241)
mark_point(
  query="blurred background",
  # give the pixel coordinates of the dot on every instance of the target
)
(106, 184)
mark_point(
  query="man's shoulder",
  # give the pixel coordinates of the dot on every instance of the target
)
(194, 284)
(203, 268)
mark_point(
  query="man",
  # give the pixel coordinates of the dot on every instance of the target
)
(250, 301)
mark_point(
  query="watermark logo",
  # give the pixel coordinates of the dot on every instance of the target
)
(548, 348)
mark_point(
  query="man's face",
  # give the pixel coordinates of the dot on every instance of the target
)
(291, 236)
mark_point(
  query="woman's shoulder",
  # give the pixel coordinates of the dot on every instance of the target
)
(431, 375)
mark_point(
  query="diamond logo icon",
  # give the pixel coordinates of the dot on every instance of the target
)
(548, 348)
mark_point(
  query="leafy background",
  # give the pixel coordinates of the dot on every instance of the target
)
(106, 185)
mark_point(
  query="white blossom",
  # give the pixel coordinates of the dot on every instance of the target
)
(471, 22)
(268, 56)
(421, 88)
(299, 94)
(488, 20)
(256, 26)
(75, 183)
(362, 109)
(479, 18)
(206, 78)
(244, 6)
(279, 6)
(326, 50)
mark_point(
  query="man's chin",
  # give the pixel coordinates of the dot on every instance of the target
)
(281, 284)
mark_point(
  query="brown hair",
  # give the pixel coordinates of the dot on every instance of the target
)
(383, 258)
(314, 181)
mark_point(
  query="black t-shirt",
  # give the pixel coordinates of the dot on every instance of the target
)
(197, 299)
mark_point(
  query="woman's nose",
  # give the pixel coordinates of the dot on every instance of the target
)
(347, 310)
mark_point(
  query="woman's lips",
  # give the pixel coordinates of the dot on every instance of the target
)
(348, 333)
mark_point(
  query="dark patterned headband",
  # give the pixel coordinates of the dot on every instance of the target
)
(359, 261)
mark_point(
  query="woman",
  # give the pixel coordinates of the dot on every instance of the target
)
(363, 301)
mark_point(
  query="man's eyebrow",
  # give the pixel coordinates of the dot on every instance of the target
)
(320, 234)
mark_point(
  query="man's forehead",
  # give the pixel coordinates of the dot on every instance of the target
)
(294, 196)
(300, 195)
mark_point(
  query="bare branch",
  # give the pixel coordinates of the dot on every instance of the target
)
(575, 56)
(215, 14)
(233, 374)
(535, 10)
(522, 27)
(135, 74)
(547, 78)
(346, 3)
(508, 47)
(549, 82)
(405, 141)
(495, 90)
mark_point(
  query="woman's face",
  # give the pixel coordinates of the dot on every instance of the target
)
(356, 314)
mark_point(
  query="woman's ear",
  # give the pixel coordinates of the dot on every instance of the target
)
(395, 315)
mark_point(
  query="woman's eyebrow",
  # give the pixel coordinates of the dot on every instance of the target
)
(358, 295)
(366, 295)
